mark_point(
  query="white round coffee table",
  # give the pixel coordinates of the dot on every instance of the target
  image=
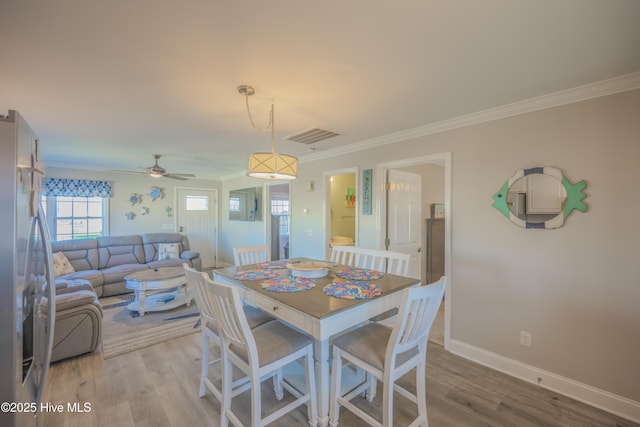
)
(149, 284)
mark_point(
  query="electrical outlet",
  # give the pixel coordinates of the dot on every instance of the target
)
(525, 338)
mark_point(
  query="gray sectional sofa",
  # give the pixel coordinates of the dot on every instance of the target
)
(105, 261)
(100, 268)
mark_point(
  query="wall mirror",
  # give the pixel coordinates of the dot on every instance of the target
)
(245, 204)
(539, 197)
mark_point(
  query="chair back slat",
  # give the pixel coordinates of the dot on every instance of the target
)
(416, 316)
(196, 283)
(342, 255)
(244, 255)
(375, 259)
(231, 318)
(398, 263)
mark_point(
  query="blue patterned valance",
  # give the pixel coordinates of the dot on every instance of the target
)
(76, 187)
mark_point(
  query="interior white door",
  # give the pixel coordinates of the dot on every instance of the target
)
(198, 220)
(404, 214)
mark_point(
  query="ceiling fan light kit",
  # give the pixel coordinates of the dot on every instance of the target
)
(268, 165)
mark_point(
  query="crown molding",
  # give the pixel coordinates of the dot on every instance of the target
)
(598, 89)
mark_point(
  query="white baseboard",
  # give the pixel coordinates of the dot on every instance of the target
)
(612, 403)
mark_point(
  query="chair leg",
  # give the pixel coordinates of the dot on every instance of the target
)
(204, 371)
(336, 380)
(387, 404)
(227, 385)
(277, 385)
(371, 391)
(421, 393)
(256, 401)
(312, 408)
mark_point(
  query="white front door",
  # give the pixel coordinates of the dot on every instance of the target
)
(197, 211)
(404, 216)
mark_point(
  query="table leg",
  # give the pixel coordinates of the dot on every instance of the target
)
(321, 355)
(187, 294)
(140, 295)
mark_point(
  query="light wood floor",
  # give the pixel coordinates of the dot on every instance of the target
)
(158, 386)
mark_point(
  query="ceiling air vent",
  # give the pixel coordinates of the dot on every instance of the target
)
(311, 135)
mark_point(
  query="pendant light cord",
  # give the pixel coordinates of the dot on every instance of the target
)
(262, 129)
(268, 126)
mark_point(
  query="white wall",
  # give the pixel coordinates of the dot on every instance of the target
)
(576, 288)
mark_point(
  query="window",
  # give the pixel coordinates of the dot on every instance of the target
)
(234, 204)
(197, 203)
(76, 217)
(281, 208)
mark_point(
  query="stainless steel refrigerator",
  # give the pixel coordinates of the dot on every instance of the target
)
(27, 303)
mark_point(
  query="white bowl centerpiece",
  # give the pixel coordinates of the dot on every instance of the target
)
(308, 269)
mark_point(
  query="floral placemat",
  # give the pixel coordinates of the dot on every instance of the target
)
(288, 284)
(281, 263)
(255, 274)
(353, 273)
(352, 290)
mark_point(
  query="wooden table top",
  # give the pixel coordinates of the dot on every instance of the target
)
(314, 301)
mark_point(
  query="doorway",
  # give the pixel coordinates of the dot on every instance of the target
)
(278, 220)
(404, 216)
(341, 208)
(422, 165)
(197, 218)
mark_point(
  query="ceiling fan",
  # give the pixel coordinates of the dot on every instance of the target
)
(157, 171)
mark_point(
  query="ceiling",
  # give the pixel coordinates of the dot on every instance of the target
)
(107, 84)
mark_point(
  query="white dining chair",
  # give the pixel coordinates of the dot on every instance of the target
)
(375, 259)
(259, 353)
(388, 354)
(210, 333)
(244, 255)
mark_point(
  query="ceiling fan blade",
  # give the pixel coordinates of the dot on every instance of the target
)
(172, 176)
(136, 172)
(183, 174)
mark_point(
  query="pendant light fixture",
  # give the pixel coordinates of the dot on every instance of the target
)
(263, 164)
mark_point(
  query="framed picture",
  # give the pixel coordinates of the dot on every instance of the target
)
(350, 198)
(367, 185)
(437, 210)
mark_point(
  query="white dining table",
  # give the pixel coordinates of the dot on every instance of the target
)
(317, 314)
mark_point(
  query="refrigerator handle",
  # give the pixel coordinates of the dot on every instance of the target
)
(51, 299)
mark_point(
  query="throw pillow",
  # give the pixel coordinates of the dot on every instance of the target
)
(61, 265)
(168, 251)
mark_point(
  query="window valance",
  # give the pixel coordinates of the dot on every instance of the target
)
(76, 187)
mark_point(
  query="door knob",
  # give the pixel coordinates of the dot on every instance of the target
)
(181, 229)
(419, 249)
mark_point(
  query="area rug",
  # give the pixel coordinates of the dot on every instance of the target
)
(124, 331)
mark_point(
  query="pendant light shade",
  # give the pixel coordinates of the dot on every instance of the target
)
(268, 165)
(272, 166)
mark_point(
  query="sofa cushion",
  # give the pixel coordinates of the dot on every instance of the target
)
(168, 251)
(94, 277)
(120, 250)
(75, 299)
(151, 242)
(61, 265)
(117, 273)
(81, 253)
